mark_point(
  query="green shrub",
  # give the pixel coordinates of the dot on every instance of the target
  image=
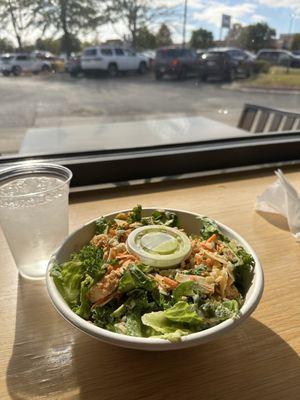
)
(261, 66)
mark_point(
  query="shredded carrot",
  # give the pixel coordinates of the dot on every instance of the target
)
(170, 282)
(128, 256)
(212, 238)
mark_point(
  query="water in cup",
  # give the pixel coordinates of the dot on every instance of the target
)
(34, 219)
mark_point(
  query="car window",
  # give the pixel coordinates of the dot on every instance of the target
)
(283, 57)
(6, 58)
(119, 52)
(106, 52)
(130, 53)
(22, 58)
(90, 52)
(236, 54)
(212, 56)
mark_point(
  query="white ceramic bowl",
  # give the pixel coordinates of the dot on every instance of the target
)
(191, 225)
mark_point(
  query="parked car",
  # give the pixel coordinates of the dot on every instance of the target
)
(73, 66)
(57, 63)
(112, 59)
(178, 62)
(226, 63)
(150, 57)
(279, 57)
(22, 62)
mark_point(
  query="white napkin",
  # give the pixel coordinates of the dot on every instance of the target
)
(282, 198)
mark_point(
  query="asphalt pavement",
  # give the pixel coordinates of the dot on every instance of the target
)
(58, 100)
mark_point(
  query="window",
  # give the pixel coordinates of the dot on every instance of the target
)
(119, 52)
(90, 52)
(130, 53)
(236, 54)
(106, 52)
(22, 58)
(214, 99)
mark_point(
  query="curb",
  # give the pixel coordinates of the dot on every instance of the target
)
(258, 89)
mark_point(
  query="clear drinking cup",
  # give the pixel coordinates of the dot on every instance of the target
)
(34, 213)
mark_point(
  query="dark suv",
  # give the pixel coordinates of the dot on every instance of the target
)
(178, 62)
(279, 57)
(226, 64)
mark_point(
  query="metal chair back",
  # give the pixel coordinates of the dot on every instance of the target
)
(258, 119)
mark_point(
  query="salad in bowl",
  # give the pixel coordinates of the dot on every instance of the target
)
(154, 274)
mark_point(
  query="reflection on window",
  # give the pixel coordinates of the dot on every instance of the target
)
(104, 78)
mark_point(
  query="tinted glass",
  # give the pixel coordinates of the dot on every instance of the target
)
(90, 52)
(22, 58)
(106, 52)
(119, 52)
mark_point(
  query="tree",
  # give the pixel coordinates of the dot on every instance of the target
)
(296, 42)
(135, 14)
(163, 36)
(6, 46)
(201, 39)
(49, 44)
(16, 16)
(145, 39)
(257, 36)
(70, 17)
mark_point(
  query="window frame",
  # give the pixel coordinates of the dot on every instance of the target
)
(110, 168)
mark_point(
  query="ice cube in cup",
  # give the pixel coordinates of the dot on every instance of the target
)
(34, 213)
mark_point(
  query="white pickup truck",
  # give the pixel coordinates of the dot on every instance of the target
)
(112, 59)
(21, 62)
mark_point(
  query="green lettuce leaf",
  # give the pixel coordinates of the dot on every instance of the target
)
(133, 325)
(161, 324)
(165, 217)
(174, 322)
(84, 309)
(67, 278)
(184, 289)
(183, 312)
(135, 278)
(136, 214)
(103, 316)
(91, 258)
(227, 309)
(102, 225)
(220, 310)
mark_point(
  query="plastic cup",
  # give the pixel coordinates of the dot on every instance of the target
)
(34, 213)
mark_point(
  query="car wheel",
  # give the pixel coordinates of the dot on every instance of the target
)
(5, 73)
(142, 68)
(46, 69)
(158, 75)
(16, 70)
(112, 70)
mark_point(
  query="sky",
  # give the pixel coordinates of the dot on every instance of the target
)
(282, 15)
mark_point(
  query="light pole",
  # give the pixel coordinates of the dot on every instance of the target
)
(184, 23)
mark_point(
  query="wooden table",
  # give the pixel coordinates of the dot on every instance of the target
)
(41, 356)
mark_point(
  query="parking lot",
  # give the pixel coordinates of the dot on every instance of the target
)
(57, 100)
